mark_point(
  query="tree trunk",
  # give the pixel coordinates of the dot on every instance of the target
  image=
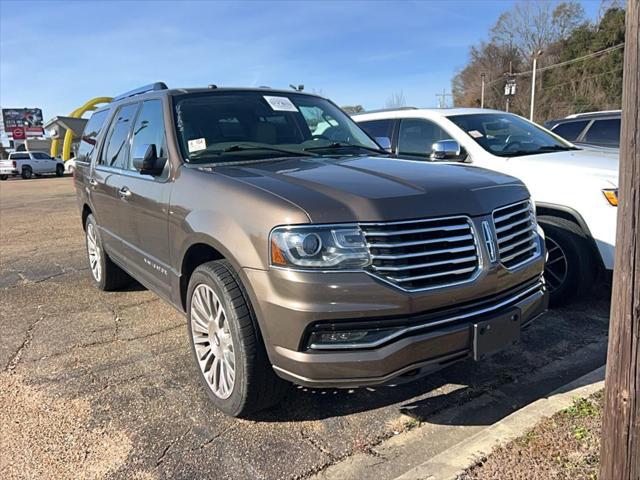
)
(620, 454)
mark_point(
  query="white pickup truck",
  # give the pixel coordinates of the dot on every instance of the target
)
(28, 164)
(575, 189)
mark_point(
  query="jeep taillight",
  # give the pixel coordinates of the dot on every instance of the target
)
(15, 165)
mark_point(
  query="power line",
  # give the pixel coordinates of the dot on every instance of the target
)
(561, 64)
(574, 60)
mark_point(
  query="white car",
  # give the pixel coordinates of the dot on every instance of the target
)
(575, 189)
(28, 164)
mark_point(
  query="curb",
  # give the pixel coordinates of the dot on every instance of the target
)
(455, 460)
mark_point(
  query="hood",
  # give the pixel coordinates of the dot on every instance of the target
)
(377, 188)
(586, 161)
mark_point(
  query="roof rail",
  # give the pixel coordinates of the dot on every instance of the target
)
(144, 89)
(380, 110)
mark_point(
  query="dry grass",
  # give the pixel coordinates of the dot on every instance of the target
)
(565, 446)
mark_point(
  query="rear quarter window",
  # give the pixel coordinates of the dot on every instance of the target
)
(570, 130)
(90, 135)
(19, 156)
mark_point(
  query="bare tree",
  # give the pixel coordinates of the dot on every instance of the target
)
(533, 25)
(396, 100)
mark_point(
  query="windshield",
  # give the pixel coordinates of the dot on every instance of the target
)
(221, 127)
(508, 135)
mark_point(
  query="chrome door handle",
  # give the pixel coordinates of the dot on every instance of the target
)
(124, 193)
(93, 182)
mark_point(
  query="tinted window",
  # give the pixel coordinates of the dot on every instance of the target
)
(418, 135)
(223, 126)
(90, 135)
(507, 135)
(149, 129)
(20, 156)
(570, 130)
(41, 156)
(604, 132)
(378, 128)
(116, 151)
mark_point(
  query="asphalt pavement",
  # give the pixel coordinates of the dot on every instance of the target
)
(101, 385)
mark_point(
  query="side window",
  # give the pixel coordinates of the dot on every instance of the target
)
(90, 135)
(418, 135)
(41, 156)
(570, 130)
(115, 152)
(149, 129)
(378, 128)
(19, 156)
(604, 132)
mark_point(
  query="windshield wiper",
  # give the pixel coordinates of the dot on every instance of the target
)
(346, 145)
(553, 148)
(248, 148)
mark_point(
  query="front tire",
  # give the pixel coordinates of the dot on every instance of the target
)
(105, 274)
(570, 269)
(59, 170)
(229, 355)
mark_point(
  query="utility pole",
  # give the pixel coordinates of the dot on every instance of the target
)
(620, 452)
(482, 91)
(442, 98)
(533, 82)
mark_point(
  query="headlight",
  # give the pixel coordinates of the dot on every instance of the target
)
(611, 194)
(319, 247)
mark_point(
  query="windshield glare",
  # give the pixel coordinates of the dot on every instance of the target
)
(507, 135)
(237, 126)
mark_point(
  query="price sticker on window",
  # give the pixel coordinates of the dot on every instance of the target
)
(280, 104)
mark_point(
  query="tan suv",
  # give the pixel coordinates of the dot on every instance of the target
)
(296, 248)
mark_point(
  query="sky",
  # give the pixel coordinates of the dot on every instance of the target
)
(58, 54)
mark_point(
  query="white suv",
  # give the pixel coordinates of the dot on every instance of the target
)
(575, 189)
(28, 164)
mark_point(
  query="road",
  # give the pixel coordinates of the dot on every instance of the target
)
(101, 385)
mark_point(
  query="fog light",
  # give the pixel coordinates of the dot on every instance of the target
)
(347, 339)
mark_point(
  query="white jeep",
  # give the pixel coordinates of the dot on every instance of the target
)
(575, 189)
(28, 164)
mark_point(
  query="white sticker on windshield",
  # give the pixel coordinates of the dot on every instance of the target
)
(280, 104)
(476, 134)
(197, 144)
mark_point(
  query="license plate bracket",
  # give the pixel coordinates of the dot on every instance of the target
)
(495, 334)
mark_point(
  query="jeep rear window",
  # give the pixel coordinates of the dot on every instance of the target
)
(217, 127)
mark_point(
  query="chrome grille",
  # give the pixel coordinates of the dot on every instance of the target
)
(516, 234)
(421, 254)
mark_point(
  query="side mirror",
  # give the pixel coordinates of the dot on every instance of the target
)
(384, 142)
(146, 161)
(447, 150)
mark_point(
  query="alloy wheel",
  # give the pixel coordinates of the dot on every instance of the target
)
(556, 267)
(93, 249)
(213, 341)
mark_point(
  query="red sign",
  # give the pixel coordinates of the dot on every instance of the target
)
(18, 133)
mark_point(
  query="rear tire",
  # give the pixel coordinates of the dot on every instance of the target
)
(27, 173)
(4, 177)
(105, 274)
(59, 170)
(233, 340)
(571, 267)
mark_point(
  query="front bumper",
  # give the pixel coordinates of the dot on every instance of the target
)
(437, 325)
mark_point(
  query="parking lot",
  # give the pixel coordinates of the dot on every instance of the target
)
(98, 384)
